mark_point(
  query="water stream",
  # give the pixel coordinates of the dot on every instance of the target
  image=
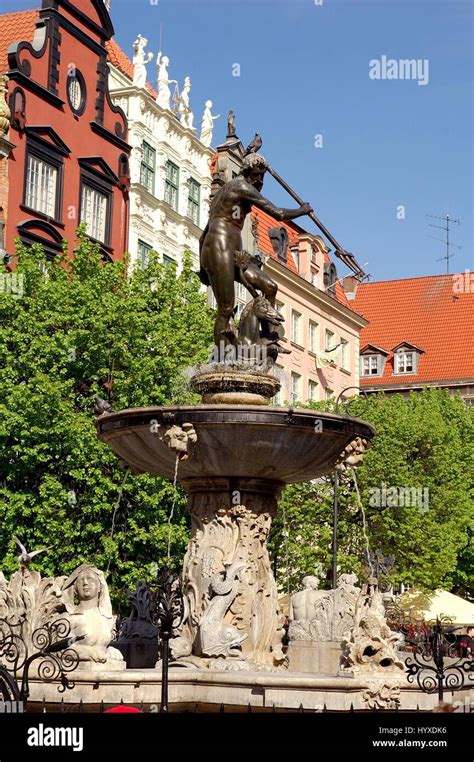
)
(117, 503)
(364, 523)
(173, 505)
(287, 553)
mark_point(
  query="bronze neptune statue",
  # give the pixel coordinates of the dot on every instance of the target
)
(222, 260)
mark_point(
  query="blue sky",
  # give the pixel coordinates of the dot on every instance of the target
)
(304, 71)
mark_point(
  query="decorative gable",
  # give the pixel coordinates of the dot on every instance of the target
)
(372, 360)
(406, 357)
(99, 167)
(49, 138)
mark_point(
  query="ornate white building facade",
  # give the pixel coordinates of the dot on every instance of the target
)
(170, 177)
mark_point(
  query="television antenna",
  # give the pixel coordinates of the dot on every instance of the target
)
(446, 240)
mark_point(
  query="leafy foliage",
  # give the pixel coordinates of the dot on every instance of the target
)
(83, 328)
(425, 441)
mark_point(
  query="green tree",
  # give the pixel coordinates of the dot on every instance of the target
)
(83, 328)
(425, 442)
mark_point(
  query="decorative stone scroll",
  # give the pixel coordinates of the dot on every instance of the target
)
(5, 112)
(231, 596)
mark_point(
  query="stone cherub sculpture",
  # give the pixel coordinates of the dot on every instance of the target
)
(88, 607)
(222, 260)
(323, 615)
(304, 608)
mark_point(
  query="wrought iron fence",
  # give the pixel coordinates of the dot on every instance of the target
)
(48, 647)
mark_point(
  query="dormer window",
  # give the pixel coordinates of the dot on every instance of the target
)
(372, 361)
(370, 365)
(405, 358)
(404, 362)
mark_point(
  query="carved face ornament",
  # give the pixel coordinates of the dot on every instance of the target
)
(87, 586)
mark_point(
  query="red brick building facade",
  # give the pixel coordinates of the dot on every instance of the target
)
(68, 156)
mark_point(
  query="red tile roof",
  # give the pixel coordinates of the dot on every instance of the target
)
(265, 222)
(18, 26)
(15, 27)
(430, 313)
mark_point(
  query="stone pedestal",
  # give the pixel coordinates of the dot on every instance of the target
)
(317, 658)
(246, 386)
(227, 576)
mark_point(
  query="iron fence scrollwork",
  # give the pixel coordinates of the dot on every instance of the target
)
(49, 648)
(437, 662)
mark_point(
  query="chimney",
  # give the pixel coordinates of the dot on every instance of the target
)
(350, 285)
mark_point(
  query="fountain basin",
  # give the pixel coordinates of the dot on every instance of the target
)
(240, 441)
(234, 460)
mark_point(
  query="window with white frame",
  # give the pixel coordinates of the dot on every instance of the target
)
(168, 261)
(295, 387)
(312, 390)
(328, 340)
(345, 359)
(328, 393)
(404, 361)
(295, 326)
(172, 185)
(194, 200)
(313, 336)
(280, 307)
(41, 186)
(296, 256)
(369, 365)
(94, 212)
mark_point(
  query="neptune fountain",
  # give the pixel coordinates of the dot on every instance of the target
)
(234, 453)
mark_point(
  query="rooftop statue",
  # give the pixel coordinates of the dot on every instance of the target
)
(164, 92)
(140, 60)
(186, 116)
(207, 124)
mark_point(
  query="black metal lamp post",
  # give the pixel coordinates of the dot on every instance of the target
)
(335, 482)
(335, 509)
